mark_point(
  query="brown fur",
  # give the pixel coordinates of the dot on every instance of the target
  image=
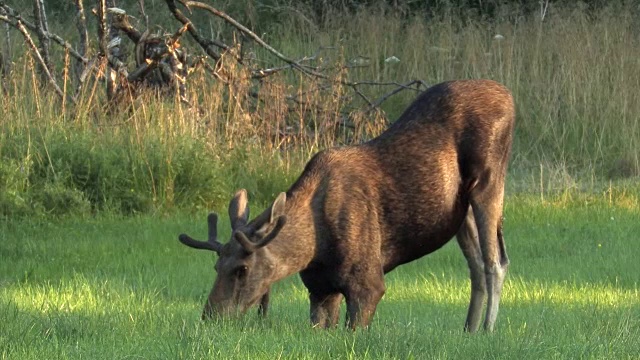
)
(357, 212)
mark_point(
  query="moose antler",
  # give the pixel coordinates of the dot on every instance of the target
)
(251, 246)
(211, 244)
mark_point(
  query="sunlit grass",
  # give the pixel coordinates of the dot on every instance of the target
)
(113, 287)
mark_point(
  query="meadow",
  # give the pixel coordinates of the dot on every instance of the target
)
(92, 201)
(125, 288)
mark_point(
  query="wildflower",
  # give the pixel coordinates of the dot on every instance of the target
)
(392, 60)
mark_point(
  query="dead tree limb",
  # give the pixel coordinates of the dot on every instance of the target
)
(34, 49)
(106, 44)
(143, 14)
(263, 73)
(251, 34)
(102, 27)
(121, 21)
(5, 55)
(42, 29)
(400, 87)
(258, 40)
(150, 59)
(161, 63)
(234, 23)
(12, 14)
(83, 44)
(206, 44)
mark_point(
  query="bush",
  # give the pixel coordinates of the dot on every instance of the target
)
(81, 172)
(59, 200)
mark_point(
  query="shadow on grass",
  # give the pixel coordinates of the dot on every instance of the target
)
(404, 327)
(131, 280)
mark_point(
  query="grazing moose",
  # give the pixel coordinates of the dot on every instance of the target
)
(357, 212)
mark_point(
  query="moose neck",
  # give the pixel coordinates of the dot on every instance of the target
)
(294, 247)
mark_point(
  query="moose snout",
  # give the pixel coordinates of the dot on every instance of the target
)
(218, 311)
(228, 309)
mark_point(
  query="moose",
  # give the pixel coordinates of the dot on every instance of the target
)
(357, 212)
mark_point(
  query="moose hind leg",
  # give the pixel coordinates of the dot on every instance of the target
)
(487, 209)
(468, 240)
(325, 309)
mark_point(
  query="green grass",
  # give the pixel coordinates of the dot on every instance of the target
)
(125, 288)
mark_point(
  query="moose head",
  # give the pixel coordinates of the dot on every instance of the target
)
(245, 267)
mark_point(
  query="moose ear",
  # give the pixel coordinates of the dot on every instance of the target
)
(239, 209)
(277, 209)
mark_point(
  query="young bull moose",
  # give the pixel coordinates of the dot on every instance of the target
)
(357, 212)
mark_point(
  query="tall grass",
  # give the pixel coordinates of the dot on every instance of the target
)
(574, 76)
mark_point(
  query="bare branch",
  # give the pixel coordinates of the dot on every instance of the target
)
(263, 73)
(109, 47)
(357, 91)
(42, 29)
(121, 22)
(237, 25)
(257, 39)
(34, 48)
(143, 14)
(206, 44)
(81, 25)
(161, 61)
(252, 35)
(399, 88)
(5, 61)
(12, 14)
(102, 26)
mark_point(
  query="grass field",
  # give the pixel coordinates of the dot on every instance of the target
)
(125, 288)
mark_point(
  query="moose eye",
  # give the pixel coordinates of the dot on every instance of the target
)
(241, 271)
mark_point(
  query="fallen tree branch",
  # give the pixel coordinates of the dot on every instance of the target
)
(236, 24)
(12, 14)
(5, 56)
(34, 48)
(294, 64)
(206, 44)
(252, 35)
(42, 29)
(162, 63)
(399, 88)
(158, 53)
(121, 21)
(81, 25)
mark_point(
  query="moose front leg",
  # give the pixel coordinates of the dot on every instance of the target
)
(263, 308)
(362, 301)
(325, 309)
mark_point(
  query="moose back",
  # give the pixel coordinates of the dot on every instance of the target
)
(357, 212)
